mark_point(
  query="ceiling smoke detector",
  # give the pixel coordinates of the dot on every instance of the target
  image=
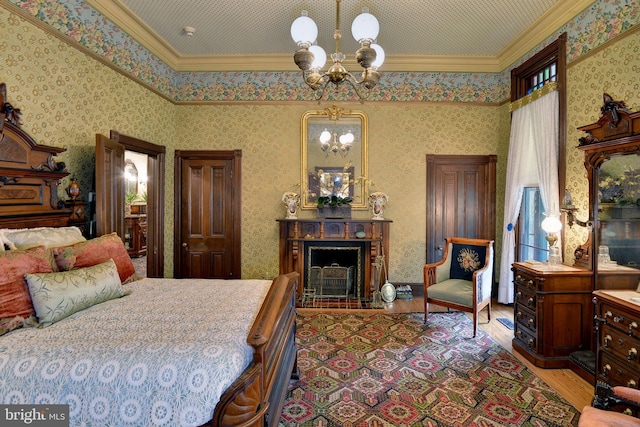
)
(189, 31)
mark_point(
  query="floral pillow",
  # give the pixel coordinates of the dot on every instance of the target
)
(60, 294)
(466, 259)
(96, 251)
(15, 302)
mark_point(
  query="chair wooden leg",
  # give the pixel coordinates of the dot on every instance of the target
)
(489, 311)
(426, 310)
(475, 323)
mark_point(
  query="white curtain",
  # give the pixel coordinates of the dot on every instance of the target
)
(533, 160)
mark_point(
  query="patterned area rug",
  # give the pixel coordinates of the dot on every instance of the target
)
(373, 369)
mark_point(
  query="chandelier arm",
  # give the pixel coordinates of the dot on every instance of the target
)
(354, 83)
(324, 87)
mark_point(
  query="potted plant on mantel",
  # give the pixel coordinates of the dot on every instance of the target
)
(334, 207)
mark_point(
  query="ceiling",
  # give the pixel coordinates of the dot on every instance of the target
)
(418, 35)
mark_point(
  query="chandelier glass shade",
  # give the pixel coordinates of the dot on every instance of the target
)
(332, 143)
(311, 58)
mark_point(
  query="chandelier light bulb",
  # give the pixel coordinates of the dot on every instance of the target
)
(325, 136)
(304, 30)
(319, 57)
(379, 56)
(365, 27)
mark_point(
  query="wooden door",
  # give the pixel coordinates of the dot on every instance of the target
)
(109, 186)
(208, 214)
(461, 200)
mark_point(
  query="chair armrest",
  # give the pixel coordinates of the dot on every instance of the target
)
(482, 278)
(434, 273)
(627, 393)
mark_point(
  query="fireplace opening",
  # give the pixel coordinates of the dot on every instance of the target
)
(333, 271)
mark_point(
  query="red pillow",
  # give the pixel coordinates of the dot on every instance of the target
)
(94, 252)
(14, 293)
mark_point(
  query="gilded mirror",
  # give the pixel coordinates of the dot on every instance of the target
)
(131, 177)
(334, 156)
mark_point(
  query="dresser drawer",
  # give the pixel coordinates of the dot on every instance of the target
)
(525, 317)
(620, 344)
(619, 319)
(612, 371)
(526, 338)
(526, 297)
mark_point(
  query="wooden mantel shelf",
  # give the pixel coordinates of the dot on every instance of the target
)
(296, 233)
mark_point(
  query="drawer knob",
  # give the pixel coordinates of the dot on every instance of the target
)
(631, 383)
(607, 341)
(632, 326)
(606, 369)
(608, 314)
(519, 294)
(618, 319)
(519, 314)
(530, 342)
(530, 283)
(530, 301)
(532, 321)
(632, 354)
(518, 277)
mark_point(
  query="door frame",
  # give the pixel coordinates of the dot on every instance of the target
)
(156, 198)
(488, 226)
(236, 203)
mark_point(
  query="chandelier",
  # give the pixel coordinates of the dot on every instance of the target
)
(310, 58)
(331, 143)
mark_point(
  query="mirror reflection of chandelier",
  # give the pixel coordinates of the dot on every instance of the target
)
(310, 57)
(331, 143)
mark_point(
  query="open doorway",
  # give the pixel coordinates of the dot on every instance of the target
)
(150, 194)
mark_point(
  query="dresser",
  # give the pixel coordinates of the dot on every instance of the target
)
(618, 337)
(135, 235)
(552, 312)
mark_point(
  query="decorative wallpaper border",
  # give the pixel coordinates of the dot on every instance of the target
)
(603, 21)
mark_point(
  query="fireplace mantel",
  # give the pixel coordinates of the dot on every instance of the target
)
(296, 234)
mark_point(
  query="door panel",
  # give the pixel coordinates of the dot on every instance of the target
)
(460, 200)
(209, 214)
(109, 186)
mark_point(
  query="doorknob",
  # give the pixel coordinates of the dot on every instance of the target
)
(184, 245)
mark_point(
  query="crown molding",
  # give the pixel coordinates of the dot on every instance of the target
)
(550, 21)
(553, 19)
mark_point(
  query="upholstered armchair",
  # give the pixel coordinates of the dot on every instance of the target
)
(625, 398)
(462, 280)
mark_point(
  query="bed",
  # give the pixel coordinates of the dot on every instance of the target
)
(120, 350)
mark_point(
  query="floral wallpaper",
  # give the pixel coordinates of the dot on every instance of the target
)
(614, 70)
(67, 96)
(601, 22)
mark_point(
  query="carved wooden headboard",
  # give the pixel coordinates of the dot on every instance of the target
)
(29, 175)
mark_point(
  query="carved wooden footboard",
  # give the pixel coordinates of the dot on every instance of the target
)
(256, 398)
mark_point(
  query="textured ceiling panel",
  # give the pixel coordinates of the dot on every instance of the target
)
(426, 27)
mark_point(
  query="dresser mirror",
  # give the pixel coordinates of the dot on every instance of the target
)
(613, 165)
(334, 156)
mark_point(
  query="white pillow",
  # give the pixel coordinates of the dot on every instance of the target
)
(58, 295)
(49, 237)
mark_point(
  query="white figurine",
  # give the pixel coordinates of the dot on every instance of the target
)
(377, 202)
(291, 201)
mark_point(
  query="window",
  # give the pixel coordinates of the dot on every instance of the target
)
(548, 65)
(531, 240)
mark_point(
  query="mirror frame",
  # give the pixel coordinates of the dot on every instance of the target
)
(359, 182)
(130, 186)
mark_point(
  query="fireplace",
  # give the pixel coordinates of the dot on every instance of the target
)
(323, 250)
(334, 270)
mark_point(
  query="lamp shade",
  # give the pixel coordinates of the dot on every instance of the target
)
(319, 57)
(551, 224)
(304, 30)
(379, 55)
(365, 27)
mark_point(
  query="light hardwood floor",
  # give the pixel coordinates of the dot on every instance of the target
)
(568, 384)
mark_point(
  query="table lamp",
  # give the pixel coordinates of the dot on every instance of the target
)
(552, 226)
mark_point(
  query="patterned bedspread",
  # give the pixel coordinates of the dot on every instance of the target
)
(160, 356)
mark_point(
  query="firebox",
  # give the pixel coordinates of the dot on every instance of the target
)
(334, 271)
